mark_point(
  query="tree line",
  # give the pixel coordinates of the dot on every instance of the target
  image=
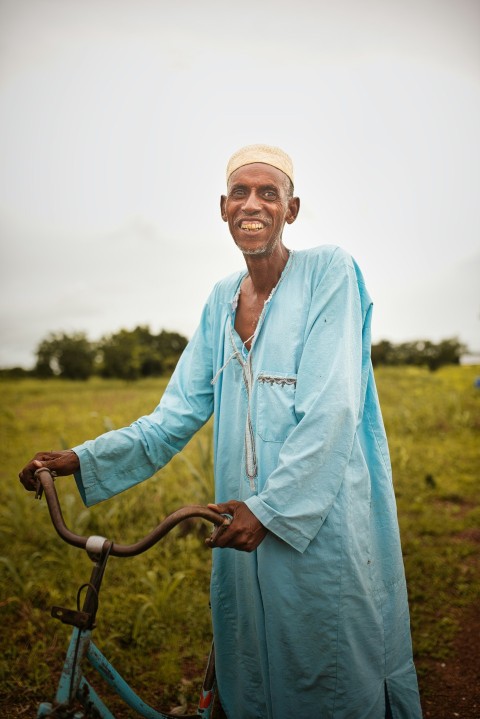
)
(421, 353)
(126, 354)
(137, 353)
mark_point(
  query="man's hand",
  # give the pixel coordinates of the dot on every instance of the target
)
(245, 532)
(62, 463)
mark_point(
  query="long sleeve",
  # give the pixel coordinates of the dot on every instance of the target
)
(122, 458)
(330, 394)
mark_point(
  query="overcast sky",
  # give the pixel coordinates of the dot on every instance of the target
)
(117, 118)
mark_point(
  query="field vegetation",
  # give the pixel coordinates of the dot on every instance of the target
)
(153, 621)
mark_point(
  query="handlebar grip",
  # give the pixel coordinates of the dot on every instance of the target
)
(46, 480)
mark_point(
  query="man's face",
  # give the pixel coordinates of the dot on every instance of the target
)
(257, 206)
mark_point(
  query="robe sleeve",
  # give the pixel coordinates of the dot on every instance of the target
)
(330, 395)
(122, 458)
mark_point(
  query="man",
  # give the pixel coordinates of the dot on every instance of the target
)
(311, 618)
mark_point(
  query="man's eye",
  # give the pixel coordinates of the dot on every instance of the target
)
(237, 193)
(270, 194)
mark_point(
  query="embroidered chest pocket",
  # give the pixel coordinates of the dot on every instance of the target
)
(275, 406)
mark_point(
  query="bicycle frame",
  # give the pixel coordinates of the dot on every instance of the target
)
(73, 687)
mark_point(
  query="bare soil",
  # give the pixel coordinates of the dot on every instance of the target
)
(451, 689)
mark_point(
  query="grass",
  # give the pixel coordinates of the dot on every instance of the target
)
(154, 621)
(433, 423)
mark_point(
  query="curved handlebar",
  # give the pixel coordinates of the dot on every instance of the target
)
(45, 477)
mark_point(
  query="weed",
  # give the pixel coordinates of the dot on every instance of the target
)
(154, 619)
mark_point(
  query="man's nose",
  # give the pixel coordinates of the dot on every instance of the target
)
(251, 203)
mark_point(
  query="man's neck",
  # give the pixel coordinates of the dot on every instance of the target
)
(265, 270)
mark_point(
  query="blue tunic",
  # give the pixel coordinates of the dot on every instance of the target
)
(314, 624)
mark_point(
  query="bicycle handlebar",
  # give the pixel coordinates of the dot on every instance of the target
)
(45, 477)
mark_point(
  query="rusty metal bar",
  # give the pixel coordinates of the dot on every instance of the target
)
(44, 476)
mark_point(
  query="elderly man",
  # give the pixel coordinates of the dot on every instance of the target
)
(310, 618)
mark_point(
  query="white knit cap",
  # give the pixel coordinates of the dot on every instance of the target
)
(267, 154)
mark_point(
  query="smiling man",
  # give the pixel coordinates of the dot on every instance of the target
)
(309, 602)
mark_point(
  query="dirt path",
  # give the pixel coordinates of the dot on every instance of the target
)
(451, 689)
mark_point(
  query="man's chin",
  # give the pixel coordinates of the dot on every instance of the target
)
(264, 250)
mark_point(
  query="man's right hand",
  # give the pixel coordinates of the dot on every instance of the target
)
(62, 463)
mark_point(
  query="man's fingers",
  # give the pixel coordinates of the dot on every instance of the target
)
(63, 463)
(27, 476)
(220, 508)
(224, 507)
(215, 538)
(244, 533)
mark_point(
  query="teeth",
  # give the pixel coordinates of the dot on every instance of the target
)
(252, 225)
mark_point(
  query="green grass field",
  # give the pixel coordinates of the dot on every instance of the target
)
(153, 620)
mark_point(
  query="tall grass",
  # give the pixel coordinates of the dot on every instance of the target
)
(153, 621)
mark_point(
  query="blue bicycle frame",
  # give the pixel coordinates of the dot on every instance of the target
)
(73, 687)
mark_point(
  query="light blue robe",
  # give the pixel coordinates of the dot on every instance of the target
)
(314, 624)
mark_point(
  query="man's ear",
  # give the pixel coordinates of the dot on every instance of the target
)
(223, 201)
(293, 210)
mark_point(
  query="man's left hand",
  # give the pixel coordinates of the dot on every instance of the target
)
(245, 532)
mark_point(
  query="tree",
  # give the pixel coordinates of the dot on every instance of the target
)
(127, 354)
(170, 347)
(382, 353)
(68, 356)
(120, 355)
(130, 354)
(419, 353)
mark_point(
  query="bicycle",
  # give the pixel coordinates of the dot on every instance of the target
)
(73, 687)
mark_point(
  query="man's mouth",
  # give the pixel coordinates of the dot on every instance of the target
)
(251, 225)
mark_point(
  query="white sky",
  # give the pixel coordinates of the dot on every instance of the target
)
(117, 118)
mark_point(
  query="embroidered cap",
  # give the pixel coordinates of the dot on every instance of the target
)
(267, 154)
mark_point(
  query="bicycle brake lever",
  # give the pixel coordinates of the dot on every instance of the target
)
(220, 528)
(39, 485)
